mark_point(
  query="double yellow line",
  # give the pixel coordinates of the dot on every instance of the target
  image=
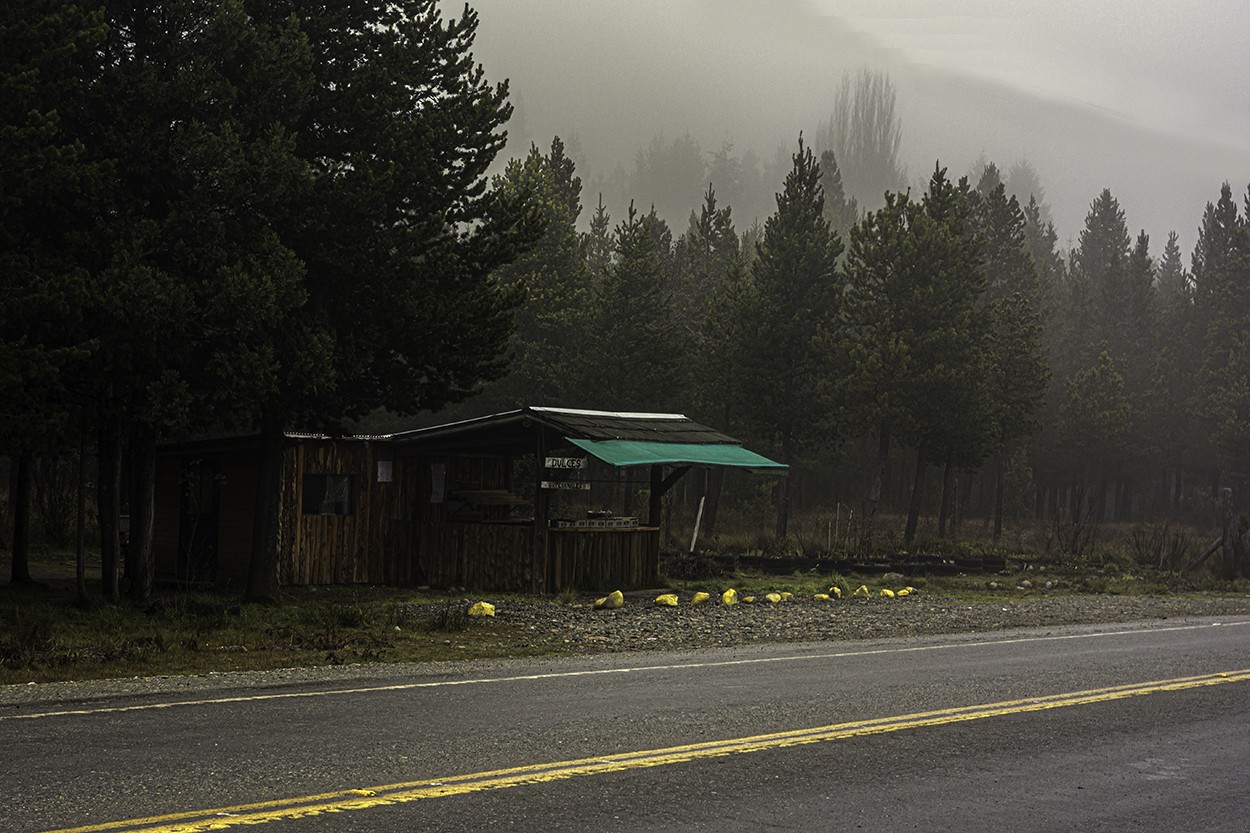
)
(224, 818)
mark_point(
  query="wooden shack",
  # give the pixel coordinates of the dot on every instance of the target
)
(334, 513)
(502, 502)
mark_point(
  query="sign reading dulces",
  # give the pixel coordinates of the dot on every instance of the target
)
(566, 463)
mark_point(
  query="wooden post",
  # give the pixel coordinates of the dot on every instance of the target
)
(657, 479)
(698, 519)
(538, 579)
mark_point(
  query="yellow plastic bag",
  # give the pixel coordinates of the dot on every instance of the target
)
(821, 597)
(887, 593)
(861, 591)
(729, 597)
(906, 591)
(700, 598)
(482, 609)
(836, 592)
(773, 598)
(666, 599)
(786, 595)
(748, 600)
(611, 601)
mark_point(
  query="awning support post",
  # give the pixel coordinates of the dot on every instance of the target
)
(659, 487)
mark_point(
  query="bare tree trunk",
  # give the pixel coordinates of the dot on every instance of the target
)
(999, 477)
(142, 514)
(262, 578)
(80, 537)
(917, 496)
(23, 476)
(873, 500)
(783, 490)
(108, 502)
(948, 498)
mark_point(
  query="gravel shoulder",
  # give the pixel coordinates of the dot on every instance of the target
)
(641, 626)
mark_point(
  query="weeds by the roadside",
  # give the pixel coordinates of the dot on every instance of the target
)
(44, 636)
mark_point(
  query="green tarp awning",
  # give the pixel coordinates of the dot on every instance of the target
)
(644, 453)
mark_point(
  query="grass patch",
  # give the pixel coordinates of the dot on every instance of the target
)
(44, 636)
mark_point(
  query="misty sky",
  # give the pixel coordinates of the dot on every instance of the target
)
(1145, 97)
(1175, 66)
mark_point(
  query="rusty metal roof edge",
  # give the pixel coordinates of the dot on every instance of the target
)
(457, 425)
(541, 413)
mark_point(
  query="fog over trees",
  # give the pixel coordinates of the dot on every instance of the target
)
(751, 75)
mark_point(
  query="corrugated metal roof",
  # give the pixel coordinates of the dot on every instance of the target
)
(604, 425)
(569, 422)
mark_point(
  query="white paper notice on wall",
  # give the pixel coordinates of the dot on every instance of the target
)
(384, 471)
(438, 480)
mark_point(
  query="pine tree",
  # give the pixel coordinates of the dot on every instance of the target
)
(596, 244)
(553, 276)
(1213, 254)
(668, 174)
(949, 400)
(1094, 423)
(841, 210)
(1222, 277)
(48, 187)
(636, 364)
(1018, 375)
(789, 305)
(710, 273)
(1101, 258)
(916, 337)
(1025, 185)
(1173, 385)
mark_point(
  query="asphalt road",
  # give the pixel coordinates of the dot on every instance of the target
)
(1116, 728)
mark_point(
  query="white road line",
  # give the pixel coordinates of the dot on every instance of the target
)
(641, 669)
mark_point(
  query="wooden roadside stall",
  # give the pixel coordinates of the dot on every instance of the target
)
(486, 501)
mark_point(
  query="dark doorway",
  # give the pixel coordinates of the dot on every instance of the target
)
(197, 545)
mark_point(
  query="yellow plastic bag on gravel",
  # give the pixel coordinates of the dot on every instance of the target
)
(773, 598)
(821, 597)
(700, 598)
(836, 592)
(748, 600)
(611, 601)
(482, 609)
(729, 597)
(666, 599)
(861, 591)
(887, 593)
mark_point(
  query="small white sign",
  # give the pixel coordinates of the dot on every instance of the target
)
(566, 462)
(567, 485)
